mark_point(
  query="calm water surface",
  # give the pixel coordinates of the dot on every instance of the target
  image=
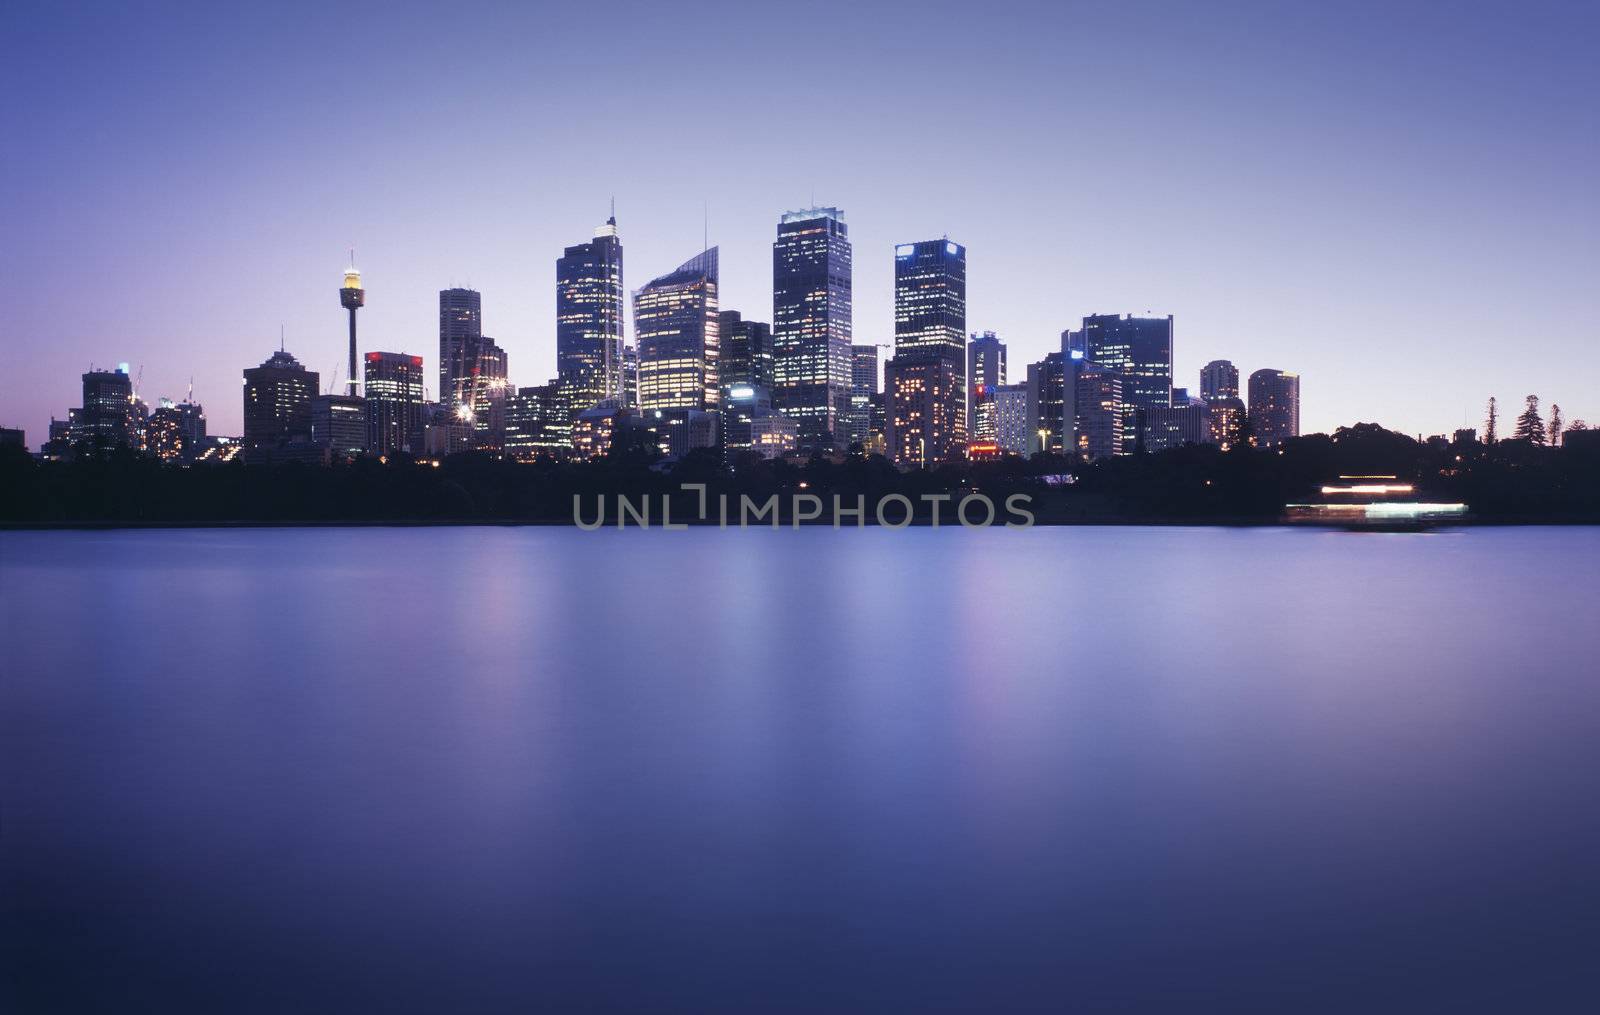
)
(458, 770)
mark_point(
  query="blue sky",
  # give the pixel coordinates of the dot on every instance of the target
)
(1396, 200)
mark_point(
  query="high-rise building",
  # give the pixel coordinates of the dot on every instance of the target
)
(1224, 422)
(339, 424)
(1011, 418)
(1274, 407)
(108, 418)
(277, 401)
(1186, 421)
(1139, 348)
(352, 297)
(488, 388)
(863, 387)
(1219, 379)
(986, 371)
(176, 431)
(811, 325)
(460, 324)
(1093, 400)
(394, 387)
(926, 380)
(745, 356)
(589, 334)
(1046, 393)
(538, 423)
(675, 323)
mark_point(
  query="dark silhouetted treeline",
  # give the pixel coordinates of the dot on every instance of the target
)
(1510, 481)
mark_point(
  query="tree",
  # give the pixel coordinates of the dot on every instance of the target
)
(1529, 426)
(1555, 425)
(1489, 423)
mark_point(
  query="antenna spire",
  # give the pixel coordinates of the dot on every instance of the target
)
(280, 337)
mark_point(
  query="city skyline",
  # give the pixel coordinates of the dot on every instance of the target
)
(1280, 240)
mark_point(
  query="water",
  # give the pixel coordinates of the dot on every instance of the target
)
(429, 770)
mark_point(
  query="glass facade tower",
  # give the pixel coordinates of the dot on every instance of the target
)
(811, 325)
(589, 334)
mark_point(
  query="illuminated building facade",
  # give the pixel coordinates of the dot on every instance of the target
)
(1011, 419)
(339, 424)
(811, 325)
(863, 388)
(745, 352)
(986, 371)
(393, 382)
(589, 336)
(1274, 407)
(460, 325)
(926, 380)
(164, 434)
(1219, 379)
(1045, 400)
(1093, 400)
(1176, 425)
(1139, 348)
(680, 431)
(108, 417)
(277, 401)
(1224, 421)
(675, 321)
(538, 423)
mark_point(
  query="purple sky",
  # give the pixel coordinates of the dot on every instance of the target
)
(1397, 201)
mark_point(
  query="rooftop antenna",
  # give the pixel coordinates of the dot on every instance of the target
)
(190, 396)
(613, 209)
(280, 337)
(705, 226)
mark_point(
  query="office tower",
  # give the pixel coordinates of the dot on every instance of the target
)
(986, 370)
(863, 387)
(1186, 421)
(13, 437)
(277, 401)
(589, 336)
(339, 424)
(191, 423)
(352, 297)
(1219, 379)
(811, 325)
(1274, 407)
(1139, 348)
(175, 432)
(488, 386)
(1224, 422)
(679, 431)
(1011, 418)
(460, 324)
(1093, 400)
(394, 386)
(746, 352)
(1045, 405)
(106, 419)
(926, 379)
(675, 324)
(538, 422)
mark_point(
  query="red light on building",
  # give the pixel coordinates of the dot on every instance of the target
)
(373, 357)
(416, 361)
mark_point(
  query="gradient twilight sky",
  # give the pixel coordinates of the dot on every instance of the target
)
(1399, 201)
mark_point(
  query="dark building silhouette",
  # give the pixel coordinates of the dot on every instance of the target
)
(460, 325)
(107, 418)
(394, 388)
(863, 389)
(1274, 407)
(926, 379)
(986, 371)
(1219, 379)
(746, 352)
(277, 402)
(538, 423)
(1045, 405)
(811, 325)
(1093, 409)
(590, 365)
(675, 322)
(352, 297)
(339, 424)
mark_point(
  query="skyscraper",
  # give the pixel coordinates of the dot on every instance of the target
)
(863, 386)
(589, 336)
(106, 419)
(460, 322)
(926, 380)
(538, 423)
(277, 401)
(394, 387)
(339, 424)
(352, 297)
(746, 353)
(1094, 405)
(986, 370)
(1219, 379)
(1011, 419)
(675, 322)
(1274, 407)
(811, 324)
(1139, 348)
(1046, 393)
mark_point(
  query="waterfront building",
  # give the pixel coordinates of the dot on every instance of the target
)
(339, 424)
(1176, 425)
(745, 352)
(1274, 407)
(811, 325)
(679, 431)
(164, 434)
(394, 385)
(590, 365)
(676, 322)
(863, 387)
(538, 422)
(108, 417)
(926, 379)
(1045, 405)
(1094, 402)
(986, 371)
(1219, 379)
(460, 326)
(1011, 418)
(1224, 421)
(277, 402)
(1139, 348)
